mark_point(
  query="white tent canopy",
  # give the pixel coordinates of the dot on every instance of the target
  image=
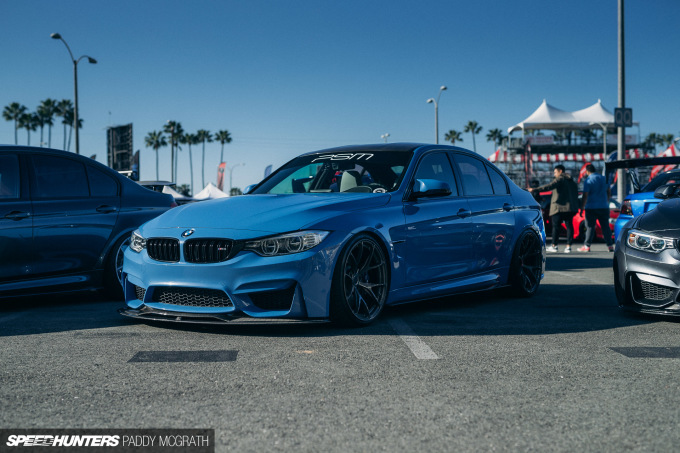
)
(548, 117)
(210, 192)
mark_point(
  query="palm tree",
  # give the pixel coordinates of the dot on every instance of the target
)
(667, 140)
(652, 140)
(203, 136)
(495, 136)
(174, 129)
(223, 137)
(453, 137)
(46, 110)
(155, 140)
(190, 139)
(474, 129)
(13, 112)
(28, 121)
(63, 107)
(68, 119)
(184, 190)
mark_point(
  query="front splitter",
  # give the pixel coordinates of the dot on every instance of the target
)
(150, 314)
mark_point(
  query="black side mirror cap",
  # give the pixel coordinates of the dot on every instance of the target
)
(667, 191)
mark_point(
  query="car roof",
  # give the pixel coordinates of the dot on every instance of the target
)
(390, 147)
(62, 153)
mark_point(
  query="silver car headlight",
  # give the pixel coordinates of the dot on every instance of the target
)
(648, 242)
(137, 242)
(286, 244)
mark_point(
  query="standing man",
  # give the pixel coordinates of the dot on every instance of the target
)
(563, 205)
(596, 195)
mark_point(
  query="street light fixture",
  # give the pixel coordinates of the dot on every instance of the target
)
(384, 137)
(75, 85)
(436, 113)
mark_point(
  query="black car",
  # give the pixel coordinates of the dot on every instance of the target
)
(64, 219)
(647, 258)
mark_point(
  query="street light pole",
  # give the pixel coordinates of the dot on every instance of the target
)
(621, 136)
(436, 113)
(384, 137)
(75, 85)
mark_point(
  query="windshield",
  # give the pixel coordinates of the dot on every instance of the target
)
(369, 172)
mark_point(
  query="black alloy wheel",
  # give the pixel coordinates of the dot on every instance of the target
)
(114, 269)
(360, 282)
(527, 265)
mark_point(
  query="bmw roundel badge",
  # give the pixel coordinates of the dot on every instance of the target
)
(188, 233)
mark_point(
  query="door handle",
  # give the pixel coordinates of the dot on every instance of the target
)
(507, 207)
(462, 213)
(105, 209)
(18, 215)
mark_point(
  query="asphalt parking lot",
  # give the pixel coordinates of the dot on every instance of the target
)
(564, 371)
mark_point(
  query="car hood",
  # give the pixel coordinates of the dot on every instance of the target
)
(664, 219)
(265, 214)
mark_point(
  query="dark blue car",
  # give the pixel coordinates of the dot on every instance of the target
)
(64, 220)
(338, 234)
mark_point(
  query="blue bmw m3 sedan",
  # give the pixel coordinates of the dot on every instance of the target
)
(337, 235)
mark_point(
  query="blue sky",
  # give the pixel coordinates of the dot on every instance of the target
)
(286, 77)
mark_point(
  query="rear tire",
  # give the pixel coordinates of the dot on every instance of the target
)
(526, 265)
(360, 283)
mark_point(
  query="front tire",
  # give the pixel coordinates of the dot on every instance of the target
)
(360, 282)
(114, 269)
(527, 265)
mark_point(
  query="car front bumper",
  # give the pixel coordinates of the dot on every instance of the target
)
(248, 285)
(648, 282)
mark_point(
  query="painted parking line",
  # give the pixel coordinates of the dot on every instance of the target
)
(417, 346)
(576, 276)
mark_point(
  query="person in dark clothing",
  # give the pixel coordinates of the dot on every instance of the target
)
(563, 205)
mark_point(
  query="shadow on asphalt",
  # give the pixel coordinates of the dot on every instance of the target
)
(556, 308)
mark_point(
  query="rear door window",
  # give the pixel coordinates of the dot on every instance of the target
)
(57, 177)
(473, 173)
(101, 184)
(500, 187)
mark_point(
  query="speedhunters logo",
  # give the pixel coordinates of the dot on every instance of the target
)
(120, 440)
(38, 440)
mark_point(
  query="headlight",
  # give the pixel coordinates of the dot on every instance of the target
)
(137, 242)
(647, 242)
(286, 244)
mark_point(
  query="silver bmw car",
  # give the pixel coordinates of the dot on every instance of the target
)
(647, 258)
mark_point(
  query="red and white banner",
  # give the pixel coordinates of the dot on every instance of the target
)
(505, 157)
(670, 152)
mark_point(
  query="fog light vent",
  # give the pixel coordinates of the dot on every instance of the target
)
(139, 292)
(273, 300)
(651, 294)
(655, 292)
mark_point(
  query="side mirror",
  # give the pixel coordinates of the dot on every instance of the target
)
(430, 188)
(248, 189)
(667, 191)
